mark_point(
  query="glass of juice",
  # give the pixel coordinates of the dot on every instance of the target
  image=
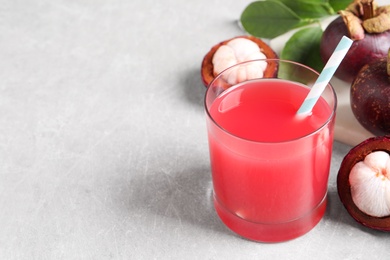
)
(269, 166)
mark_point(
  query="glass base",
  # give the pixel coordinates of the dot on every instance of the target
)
(271, 232)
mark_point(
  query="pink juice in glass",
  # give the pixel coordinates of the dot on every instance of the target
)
(269, 167)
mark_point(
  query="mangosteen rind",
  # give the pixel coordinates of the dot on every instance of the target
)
(355, 155)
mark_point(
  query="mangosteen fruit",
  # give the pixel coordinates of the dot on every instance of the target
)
(363, 183)
(370, 96)
(236, 50)
(368, 25)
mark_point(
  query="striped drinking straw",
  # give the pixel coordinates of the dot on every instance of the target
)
(325, 76)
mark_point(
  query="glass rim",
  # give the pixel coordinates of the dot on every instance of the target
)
(327, 122)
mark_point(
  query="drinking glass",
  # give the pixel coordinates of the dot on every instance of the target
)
(269, 166)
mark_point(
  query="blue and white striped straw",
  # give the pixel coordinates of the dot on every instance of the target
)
(325, 76)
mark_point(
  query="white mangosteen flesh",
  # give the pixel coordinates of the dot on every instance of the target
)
(370, 184)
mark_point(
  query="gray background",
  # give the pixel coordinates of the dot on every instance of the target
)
(103, 147)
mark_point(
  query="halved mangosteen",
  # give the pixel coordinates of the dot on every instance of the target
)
(208, 71)
(363, 183)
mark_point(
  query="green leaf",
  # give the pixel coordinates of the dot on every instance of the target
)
(269, 19)
(310, 8)
(304, 47)
(338, 5)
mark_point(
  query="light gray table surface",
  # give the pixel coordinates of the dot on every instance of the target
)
(103, 146)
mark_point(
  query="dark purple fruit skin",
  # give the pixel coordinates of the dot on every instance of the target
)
(370, 97)
(355, 155)
(363, 51)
